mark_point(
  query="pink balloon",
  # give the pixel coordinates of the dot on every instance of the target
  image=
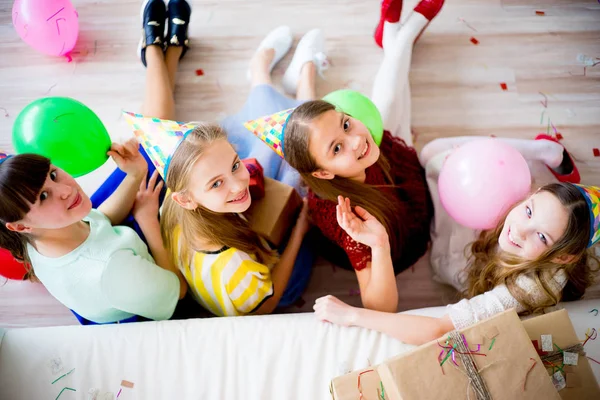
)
(49, 26)
(481, 180)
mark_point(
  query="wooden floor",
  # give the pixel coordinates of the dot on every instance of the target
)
(456, 87)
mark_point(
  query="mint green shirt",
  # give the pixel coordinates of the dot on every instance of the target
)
(110, 276)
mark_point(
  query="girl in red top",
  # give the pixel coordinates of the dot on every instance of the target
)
(337, 156)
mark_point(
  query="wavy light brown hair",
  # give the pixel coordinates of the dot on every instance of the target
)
(22, 178)
(381, 204)
(489, 267)
(222, 229)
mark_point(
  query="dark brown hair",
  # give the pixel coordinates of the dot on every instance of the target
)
(382, 204)
(21, 180)
(489, 267)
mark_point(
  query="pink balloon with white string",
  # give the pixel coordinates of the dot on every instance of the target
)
(49, 26)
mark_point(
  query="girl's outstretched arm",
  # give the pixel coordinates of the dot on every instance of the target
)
(377, 282)
(410, 329)
(129, 160)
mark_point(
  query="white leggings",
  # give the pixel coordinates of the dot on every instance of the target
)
(391, 95)
(391, 88)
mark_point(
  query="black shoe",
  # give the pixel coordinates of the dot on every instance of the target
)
(154, 14)
(178, 14)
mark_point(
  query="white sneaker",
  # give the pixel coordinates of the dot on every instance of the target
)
(280, 39)
(311, 48)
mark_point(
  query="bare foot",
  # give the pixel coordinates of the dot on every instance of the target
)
(307, 82)
(260, 66)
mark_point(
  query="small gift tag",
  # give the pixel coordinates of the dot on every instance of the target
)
(547, 343)
(570, 358)
(559, 381)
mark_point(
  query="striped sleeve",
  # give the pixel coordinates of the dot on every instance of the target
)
(250, 284)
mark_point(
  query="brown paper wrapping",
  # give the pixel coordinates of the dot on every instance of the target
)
(275, 214)
(345, 387)
(581, 383)
(417, 375)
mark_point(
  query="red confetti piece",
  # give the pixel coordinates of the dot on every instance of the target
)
(503, 86)
(597, 362)
(540, 13)
(361, 396)
(559, 136)
(474, 41)
(596, 153)
(528, 371)
(199, 72)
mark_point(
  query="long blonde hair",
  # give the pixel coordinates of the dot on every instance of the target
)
(488, 267)
(224, 229)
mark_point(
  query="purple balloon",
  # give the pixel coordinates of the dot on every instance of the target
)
(49, 26)
(481, 180)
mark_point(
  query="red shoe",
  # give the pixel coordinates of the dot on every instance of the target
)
(571, 177)
(429, 8)
(390, 12)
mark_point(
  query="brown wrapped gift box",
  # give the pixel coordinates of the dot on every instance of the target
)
(345, 387)
(417, 375)
(581, 383)
(275, 214)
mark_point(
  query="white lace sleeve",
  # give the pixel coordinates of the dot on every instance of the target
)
(469, 311)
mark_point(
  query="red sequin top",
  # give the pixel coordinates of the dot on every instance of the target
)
(416, 208)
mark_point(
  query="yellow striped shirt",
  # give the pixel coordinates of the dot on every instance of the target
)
(228, 282)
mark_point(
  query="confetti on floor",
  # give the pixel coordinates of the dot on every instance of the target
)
(559, 136)
(596, 153)
(474, 41)
(503, 86)
(467, 24)
(127, 384)
(540, 13)
(199, 72)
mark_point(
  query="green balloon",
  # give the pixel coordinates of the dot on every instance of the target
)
(358, 106)
(65, 131)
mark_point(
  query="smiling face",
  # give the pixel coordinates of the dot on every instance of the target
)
(60, 203)
(219, 181)
(341, 146)
(533, 226)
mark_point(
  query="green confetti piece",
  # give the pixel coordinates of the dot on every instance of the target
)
(62, 376)
(63, 389)
(559, 349)
(492, 344)
(382, 391)
(448, 355)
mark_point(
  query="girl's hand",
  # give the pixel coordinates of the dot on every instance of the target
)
(128, 158)
(332, 309)
(361, 226)
(146, 199)
(303, 222)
